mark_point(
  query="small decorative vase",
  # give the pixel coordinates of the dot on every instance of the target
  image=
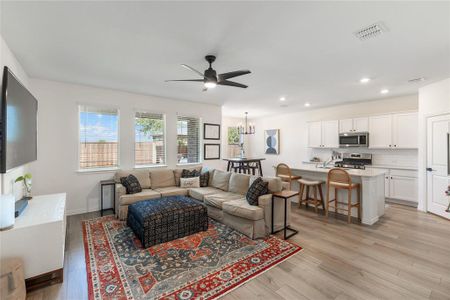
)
(27, 184)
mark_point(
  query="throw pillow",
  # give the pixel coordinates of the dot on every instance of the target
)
(131, 184)
(190, 173)
(258, 188)
(204, 179)
(191, 182)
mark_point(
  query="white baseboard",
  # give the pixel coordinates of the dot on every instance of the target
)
(81, 211)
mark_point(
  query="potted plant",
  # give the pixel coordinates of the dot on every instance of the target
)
(26, 179)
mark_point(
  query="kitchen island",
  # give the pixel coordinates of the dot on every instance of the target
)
(372, 188)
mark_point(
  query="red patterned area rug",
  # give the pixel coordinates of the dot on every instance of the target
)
(205, 265)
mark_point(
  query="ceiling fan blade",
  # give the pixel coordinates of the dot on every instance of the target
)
(228, 75)
(192, 69)
(197, 80)
(232, 83)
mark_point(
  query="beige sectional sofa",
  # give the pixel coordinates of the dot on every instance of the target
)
(224, 197)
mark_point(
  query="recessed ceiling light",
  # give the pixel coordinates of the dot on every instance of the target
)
(283, 99)
(384, 91)
(307, 104)
(364, 80)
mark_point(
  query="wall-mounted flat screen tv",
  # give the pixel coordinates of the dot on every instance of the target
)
(18, 124)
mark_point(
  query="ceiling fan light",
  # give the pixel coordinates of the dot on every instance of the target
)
(210, 85)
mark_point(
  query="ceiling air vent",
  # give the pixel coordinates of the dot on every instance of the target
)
(370, 31)
(420, 79)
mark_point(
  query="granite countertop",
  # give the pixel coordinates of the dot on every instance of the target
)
(413, 168)
(370, 172)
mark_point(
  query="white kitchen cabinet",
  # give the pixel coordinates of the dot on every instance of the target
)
(401, 185)
(380, 131)
(315, 134)
(354, 125)
(345, 125)
(394, 131)
(405, 130)
(403, 188)
(361, 124)
(330, 134)
(323, 134)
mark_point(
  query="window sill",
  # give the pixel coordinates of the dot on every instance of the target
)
(189, 164)
(150, 167)
(98, 170)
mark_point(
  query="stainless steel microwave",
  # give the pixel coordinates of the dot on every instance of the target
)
(354, 139)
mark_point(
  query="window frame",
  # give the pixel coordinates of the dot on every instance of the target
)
(165, 140)
(200, 140)
(97, 169)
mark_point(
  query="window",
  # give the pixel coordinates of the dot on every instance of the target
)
(99, 137)
(188, 140)
(149, 145)
(233, 148)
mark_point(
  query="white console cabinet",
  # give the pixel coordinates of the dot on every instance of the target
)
(38, 238)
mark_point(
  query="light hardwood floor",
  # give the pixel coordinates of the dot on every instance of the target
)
(404, 256)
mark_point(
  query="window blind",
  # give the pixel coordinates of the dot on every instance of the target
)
(188, 140)
(99, 141)
(149, 148)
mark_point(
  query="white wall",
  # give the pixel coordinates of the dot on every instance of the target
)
(7, 58)
(294, 131)
(57, 165)
(434, 99)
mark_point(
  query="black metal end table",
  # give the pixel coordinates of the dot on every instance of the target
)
(284, 195)
(104, 183)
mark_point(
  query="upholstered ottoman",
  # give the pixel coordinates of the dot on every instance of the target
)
(165, 219)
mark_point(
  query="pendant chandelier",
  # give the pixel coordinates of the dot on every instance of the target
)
(247, 128)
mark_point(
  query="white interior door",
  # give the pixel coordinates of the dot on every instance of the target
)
(438, 164)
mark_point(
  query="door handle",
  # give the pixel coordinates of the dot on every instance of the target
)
(430, 170)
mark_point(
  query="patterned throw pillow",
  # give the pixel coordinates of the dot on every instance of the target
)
(190, 173)
(131, 184)
(191, 182)
(258, 188)
(204, 179)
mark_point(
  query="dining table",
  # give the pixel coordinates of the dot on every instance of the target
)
(244, 164)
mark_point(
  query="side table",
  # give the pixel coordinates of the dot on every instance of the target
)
(104, 183)
(284, 195)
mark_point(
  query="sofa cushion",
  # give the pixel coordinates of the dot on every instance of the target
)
(258, 188)
(143, 176)
(220, 180)
(275, 183)
(162, 178)
(199, 193)
(239, 183)
(144, 195)
(218, 199)
(177, 173)
(131, 184)
(241, 208)
(172, 191)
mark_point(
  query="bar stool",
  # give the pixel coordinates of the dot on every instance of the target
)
(316, 185)
(284, 172)
(340, 180)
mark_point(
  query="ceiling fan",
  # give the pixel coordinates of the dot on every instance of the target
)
(210, 78)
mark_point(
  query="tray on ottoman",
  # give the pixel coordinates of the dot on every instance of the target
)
(165, 219)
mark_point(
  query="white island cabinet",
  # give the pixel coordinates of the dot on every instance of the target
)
(372, 189)
(38, 238)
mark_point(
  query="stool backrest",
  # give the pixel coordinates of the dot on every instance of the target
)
(283, 170)
(339, 176)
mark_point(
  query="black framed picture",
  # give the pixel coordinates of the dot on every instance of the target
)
(211, 151)
(211, 131)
